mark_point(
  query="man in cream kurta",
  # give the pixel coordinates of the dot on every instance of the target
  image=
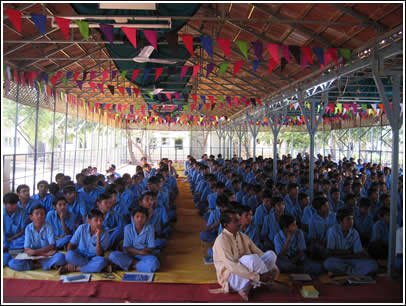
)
(240, 264)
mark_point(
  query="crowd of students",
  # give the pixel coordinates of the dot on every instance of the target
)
(130, 216)
(344, 230)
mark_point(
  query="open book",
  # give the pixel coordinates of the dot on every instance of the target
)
(24, 256)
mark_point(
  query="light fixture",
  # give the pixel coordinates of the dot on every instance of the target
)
(127, 6)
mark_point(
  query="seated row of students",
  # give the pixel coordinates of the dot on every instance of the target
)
(370, 211)
(75, 223)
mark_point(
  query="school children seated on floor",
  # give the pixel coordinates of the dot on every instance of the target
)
(346, 255)
(138, 246)
(378, 245)
(75, 205)
(212, 226)
(24, 200)
(39, 240)
(15, 219)
(88, 194)
(87, 247)
(363, 221)
(46, 199)
(270, 225)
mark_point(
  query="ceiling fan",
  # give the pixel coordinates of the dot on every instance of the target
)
(144, 55)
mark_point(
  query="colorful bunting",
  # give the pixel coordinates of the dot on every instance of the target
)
(93, 86)
(146, 72)
(83, 28)
(135, 74)
(63, 24)
(320, 54)
(223, 68)
(15, 18)
(107, 30)
(243, 46)
(237, 67)
(111, 88)
(158, 72)
(346, 53)
(272, 64)
(188, 41)
(100, 85)
(257, 45)
(169, 96)
(273, 50)
(207, 44)
(225, 46)
(196, 69)
(40, 22)
(183, 71)
(152, 38)
(285, 52)
(131, 34)
(136, 91)
(209, 68)
(255, 65)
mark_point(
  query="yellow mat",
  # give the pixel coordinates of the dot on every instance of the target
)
(181, 261)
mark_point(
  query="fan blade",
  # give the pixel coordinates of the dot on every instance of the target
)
(146, 51)
(161, 61)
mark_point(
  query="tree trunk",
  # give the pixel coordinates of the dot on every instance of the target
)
(130, 147)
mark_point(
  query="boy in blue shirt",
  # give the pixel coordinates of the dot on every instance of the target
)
(346, 255)
(88, 194)
(87, 246)
(291, 201)
(46, 199)
(363, 221)
(290, 247)
(139, 244)
(15, 219)
(125, 200)
(75, 205)
(24, 200)
(112, 221)
(378, 246)
(306, 212)
(62, 222)
(334, 200)
(271, 223)
(264, 209)
(247, 226)
(39, 240)
(212, 226)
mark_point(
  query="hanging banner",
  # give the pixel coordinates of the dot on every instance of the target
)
(207, 44)
(225, 46)
(188, 41)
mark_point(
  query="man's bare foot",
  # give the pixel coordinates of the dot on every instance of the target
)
(36, 264)
(244, 295)
(67, 268)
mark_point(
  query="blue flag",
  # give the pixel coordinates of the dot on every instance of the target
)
(40, 22)
(207, 43)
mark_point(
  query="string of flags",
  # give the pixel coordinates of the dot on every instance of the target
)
(280, 53)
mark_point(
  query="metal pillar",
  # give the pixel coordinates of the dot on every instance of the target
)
(254, 128)
(239, 129)
(66, 132)
(76, 140)
(15, 139)
(84, 139)
(312, 126)
(395, 120)
(220, 134)
(98, 144)
(274, 117)
(36, 142)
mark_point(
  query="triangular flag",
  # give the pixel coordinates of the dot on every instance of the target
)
(209, 68)
(243, 45)
(93, 86)
(83, 28)
(203, 98)
(346, 53)
(192, 107)
(92, 75)
(333, 53)
(223, 68)
(382, 107)
(121, 89)
(194, 98)
(255, 65)
(200, 106)
(15, 18)
(225, 46)
(259, 101)
(123, 73)
(211, 98)
(188, 41)
(207, 43)
(111, 88)
(307, 53)
(146, 71)
(107, 30)
(320, 54)
(196, 69)
(135, 74)
(105, 75)
(80, 84)
(236, 101)
(151, 37)
(131, 34)
(273, 50)
(40, 22)
(63, 24)
(128, 91)
(169, 96)
(136, 91)
(213, 105)
(113, 74)
(183, 71)
(207, 106)
(177, 95)
(237, 67)
(257, 45)
(285, 52)
(100, 85)
(272, 65)
(158, 72)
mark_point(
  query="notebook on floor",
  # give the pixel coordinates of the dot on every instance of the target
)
(138, 277)
(208, 260)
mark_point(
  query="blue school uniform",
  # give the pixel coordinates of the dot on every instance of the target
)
(290, 206)
(211, 235)
(46, 201)
(54, 220)
(270, 228)
(144, 239)
(363, 224)
(89, 198)
(78, 209)
(260, 213)
(156, 221)
(297, 244)
(380, 231)
(212, 198)
(352, 241)
(318, 226)
(252, 231)
(239, 196)
(308, 212)
(31, 203)
(38, 240)
(335, 206)
(85, 253)
(114, 225)
(252, 202)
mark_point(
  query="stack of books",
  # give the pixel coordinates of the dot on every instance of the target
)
(309, 292)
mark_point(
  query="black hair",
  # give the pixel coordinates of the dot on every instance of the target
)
(22, 186)
(220, 185)
(382, 211)
(292, 186)
(90, 179)
(119, 181)
(240, 209)
(93, 213)
(222, 200)
(10, 198)
(371, 191)
(154, 180)
(42, 182)
(59, 175)
(319, 202)
(147, 193)
(103, 196)
(334, 189)
(302, 195)
(57, 199)
(365, 202)
(111, 188)
(344, 212)
(285, 220)
(225, 217)
(139, 209)
(37, 206)
(54, 188)
(349, 196)
(276, 200)
(267, 194)
(69, 188)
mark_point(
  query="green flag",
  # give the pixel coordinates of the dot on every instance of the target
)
(149, 94)
(65, 81)
(364, 106)
(243, 45)
(346, 53)
(221, 99)
(83, 28)
(223, 68)
(123, 74)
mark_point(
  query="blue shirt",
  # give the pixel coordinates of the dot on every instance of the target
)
(156, 221)
(308, 212)
(363, 224)
(260, 213)
(212, 198)
(54, 220)
(214, 217)
(252, 202)
(296, 245)
(290, 206)
(112, 220)
(252, 231)
(145, 239)
(318, 226)
(337, 241)
(334, 207)
(380, 231)
(14, 223)
(87, 243)
(124, 202)
(46, 202)
(90, 198)
(78, 209)
(38, 240)
(31, 203)
(239, 196)
(271, 226)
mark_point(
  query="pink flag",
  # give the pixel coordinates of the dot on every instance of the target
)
(237, 67)
(100, 85)
(169, 96)
(236, 101)
(177, 95)
(135, 74)
(105, 75)
(91, 84)
(285, 52)
(158, 71)
(307, 53)
(196, 69)
(151, 36)
(63, 24)
(225, 46)
(131, 34)
(273, 50)
(183, 71)
(92, 75)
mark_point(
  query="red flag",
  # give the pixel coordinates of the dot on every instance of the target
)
(131, 34)
(382, 107)
(76, 75)
(188, 41)
(194, 98)
(136, 91)
(135, 74)
(273, 50)
(63, 24)
(169, 96)
(105, 75)
(196, 69)
(121, 89)
(192, 107)
(183, 71)
(207, 106)
(158, 71)
(92, 85)
(100, 85)
(272, 65)
(15, 18)
(225, 46)
(333, 54)
(237, 67)
(285, 52)
(151, 36)
(307, 52)
(259, 101)
(211, 99)
(236, 101)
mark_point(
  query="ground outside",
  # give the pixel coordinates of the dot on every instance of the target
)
(183, 278)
